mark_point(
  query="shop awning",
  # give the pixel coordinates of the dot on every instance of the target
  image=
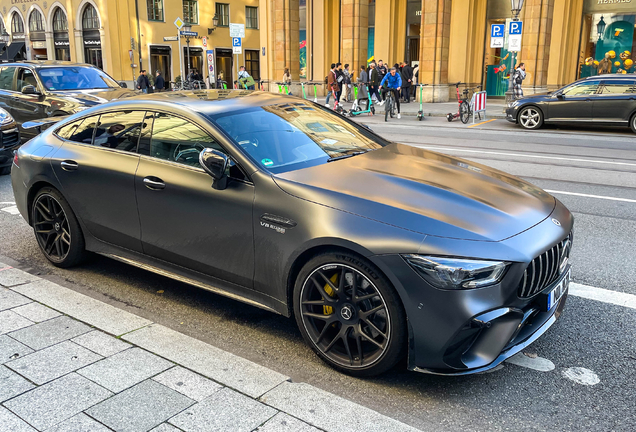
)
(14, 49)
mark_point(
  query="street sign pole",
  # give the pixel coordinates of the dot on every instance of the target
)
(178, 24)
(237, 31)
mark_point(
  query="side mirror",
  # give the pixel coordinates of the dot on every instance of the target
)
(123, 84)
(30, 90)
(214, 163)
(560, 96)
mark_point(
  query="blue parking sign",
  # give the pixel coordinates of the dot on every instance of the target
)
(515, 27)
(497, 30)
(236, 42)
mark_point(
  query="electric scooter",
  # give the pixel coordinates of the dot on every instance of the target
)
(336, 105)
(356, 110)
(420, 113)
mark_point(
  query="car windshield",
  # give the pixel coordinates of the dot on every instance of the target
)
(289, 136)
(75, 78)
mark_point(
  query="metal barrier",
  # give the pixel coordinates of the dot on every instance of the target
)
(478, 104)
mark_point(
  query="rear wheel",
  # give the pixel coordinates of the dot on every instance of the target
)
(464, 112)
(56, 229)
(349, 314)
(633, 123)
(531, 118)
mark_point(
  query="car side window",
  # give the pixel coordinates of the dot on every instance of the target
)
(80, 131)
(119, 130)
(25, 78)
(582, 88)
(618, 87)
(178, 140)
(6, 78)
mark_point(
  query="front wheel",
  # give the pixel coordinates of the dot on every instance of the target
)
(531, 118)
(56, 229)
(464, 112)
(349, 314)
(633, 123)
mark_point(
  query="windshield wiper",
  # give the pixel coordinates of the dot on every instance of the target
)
(348, 155)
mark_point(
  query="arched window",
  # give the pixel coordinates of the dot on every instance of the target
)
(60, 22)
(92, 37)
(60, 35)
(3, 29)
(36, 22)
(90, 20)
(17, 26)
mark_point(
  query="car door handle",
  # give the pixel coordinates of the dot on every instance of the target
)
(154, 183)
(69, 165)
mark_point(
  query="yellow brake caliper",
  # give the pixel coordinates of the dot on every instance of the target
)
(328, 310)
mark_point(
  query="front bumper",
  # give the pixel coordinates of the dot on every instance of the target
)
(511, 114)
(460, 332)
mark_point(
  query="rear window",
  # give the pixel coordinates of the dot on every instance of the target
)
(618, 87)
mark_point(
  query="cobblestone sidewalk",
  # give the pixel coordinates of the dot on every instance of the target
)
(70, 363)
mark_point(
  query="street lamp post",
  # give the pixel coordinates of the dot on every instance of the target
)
(600, 28)
(515, 8)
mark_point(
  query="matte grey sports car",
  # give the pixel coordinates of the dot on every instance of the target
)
(379, 250)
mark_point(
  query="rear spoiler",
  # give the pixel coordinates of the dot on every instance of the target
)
(42, 124)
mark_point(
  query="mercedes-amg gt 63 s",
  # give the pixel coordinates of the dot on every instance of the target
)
(382, 252)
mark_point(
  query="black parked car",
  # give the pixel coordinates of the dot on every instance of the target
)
(603, 99)
(9, 141)
(33, 90)
(376, 248)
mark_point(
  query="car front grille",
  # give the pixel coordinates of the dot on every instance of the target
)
(9, 140)
(544, 269)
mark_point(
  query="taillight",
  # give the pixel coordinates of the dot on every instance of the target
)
(15, 159)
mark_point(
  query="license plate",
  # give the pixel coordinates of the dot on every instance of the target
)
(557, 292)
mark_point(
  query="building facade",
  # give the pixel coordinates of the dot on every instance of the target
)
(450, 39)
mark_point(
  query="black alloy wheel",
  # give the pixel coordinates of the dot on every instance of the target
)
(56, 229)
(350, 316)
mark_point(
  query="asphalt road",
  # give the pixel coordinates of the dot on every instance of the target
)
(598, 165)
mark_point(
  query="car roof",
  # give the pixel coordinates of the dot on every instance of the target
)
(210, 102)
(45, 63)
(630, 77)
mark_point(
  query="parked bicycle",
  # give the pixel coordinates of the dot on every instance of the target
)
(465, 107)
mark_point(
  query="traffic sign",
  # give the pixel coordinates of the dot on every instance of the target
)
(236, 42)
(179, 23)
(204, 41)
(515, 35)
(237, 30)
(497, 35)
(188, 33)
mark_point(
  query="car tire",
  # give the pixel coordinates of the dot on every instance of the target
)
(530, 118)
(632, 123)
(56, 229)
(361, 332)
(5, 171)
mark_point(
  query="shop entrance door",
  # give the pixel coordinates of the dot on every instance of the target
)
(160, 61)
(413, 50)
(224, 64)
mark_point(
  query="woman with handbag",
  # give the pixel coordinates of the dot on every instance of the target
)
(517, 80)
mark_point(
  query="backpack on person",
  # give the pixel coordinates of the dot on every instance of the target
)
(518, 79)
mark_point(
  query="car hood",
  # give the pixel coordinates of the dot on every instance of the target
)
(423, 191)
(96, 96)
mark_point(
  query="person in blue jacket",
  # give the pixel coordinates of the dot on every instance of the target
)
(393, 84)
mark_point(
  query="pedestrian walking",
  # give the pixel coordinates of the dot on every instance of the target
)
(347, 83)
(363, 78)
(332, 83)
(245, 79)
(407, 82)
(160, 83)
(340, 80)
(517, 79)
(382, 70)
(416, 79)
(287, 80)
(142, 81)
(374, 82)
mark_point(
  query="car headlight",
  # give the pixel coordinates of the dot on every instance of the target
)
(513, 103)
(457, 273)
(5, 118)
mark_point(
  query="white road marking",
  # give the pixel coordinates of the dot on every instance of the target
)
(455, 149)
(603, 295)
(11, 210)
(592, 196)
(537, 363)
(581, 376)
(7, 203)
